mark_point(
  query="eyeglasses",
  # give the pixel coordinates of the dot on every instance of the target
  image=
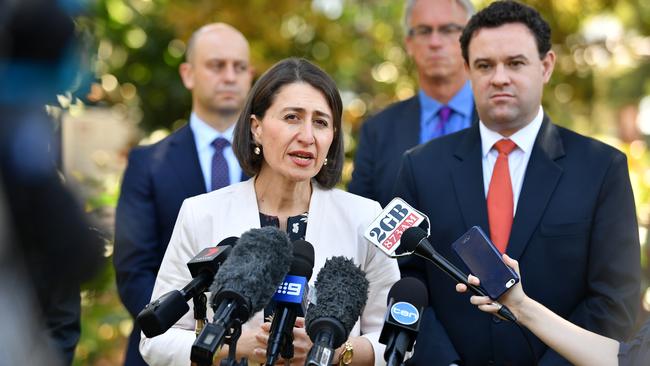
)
(448, 31)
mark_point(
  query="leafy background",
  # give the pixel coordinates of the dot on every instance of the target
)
(600, 88)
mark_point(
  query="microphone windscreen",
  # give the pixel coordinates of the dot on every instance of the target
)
(303, 259)
(255, 266)
(342, 292)
(410, 239)
(411, 290)
(161, 314)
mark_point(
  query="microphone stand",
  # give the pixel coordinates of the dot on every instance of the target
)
(397, 343)
(287, 351)
(231, 340)
(286, 348)
(224, 329)
(200, 311)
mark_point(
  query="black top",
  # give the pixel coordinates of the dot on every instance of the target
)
(296, 225)
(296, 229)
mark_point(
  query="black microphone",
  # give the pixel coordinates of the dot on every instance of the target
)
(342, 291)
(160, 314)
(290, 302)
(243, 286)
(415, 240)
(406, 302)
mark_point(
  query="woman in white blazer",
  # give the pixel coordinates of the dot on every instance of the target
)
(289, 139)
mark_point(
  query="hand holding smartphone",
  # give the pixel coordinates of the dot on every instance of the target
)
(484, 261)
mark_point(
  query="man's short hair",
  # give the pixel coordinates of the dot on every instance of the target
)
(409, 4)
(504, 12)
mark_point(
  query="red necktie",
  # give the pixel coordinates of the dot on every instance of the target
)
(500, 199)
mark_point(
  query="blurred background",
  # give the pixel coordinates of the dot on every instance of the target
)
(130, 93)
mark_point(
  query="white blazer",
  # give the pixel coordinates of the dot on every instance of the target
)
(336, 223)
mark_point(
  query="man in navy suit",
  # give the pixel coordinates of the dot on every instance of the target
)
(443, 104)
(558, 202)
(195, 159)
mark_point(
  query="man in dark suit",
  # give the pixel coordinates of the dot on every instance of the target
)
(558, 202)
(442, 105)
(193, 160)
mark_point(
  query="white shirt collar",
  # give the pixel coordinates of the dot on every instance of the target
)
(204, 134)
(524, 138)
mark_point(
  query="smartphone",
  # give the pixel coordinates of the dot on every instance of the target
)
(484, 261)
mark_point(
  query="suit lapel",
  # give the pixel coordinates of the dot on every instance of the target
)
(244, 206)
(185, 162)
(407, 126)
(541, 178)
(317, 214)
(467, 174)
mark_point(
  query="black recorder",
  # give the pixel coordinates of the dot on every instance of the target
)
(484, 261)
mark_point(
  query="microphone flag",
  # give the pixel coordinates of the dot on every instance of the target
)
(385, 232)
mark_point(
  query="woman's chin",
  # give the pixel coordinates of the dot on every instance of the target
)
(296, 175)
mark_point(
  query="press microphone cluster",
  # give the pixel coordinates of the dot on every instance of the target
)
(243, 278)
(244, 284)
(162, 313)
(406, 301)
(290, 301)
(342, 292)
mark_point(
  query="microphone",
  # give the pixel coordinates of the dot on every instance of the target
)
(386, 231)
(406, 301)
(414, 240)
(342, 290)
(290, 301)
(160, 314)
(243, 285)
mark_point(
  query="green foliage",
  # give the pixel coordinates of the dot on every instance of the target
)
(105, 322)
(141, 43)
(359, 37)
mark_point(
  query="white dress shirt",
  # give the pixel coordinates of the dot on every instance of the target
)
(517, 159)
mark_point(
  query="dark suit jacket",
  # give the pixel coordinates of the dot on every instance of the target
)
(382, 141)
(574, 233)
(156, 181)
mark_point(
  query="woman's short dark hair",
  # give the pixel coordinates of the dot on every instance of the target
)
(505, 12)
(289, 71)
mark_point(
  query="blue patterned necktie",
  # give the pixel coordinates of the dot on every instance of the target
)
(220, 175)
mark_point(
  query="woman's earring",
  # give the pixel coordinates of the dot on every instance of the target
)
(257, 150)
(325, 162)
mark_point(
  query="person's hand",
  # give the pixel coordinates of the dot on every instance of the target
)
(250, 346)
(511, 298)
(484, 303)
(516, 295)
(301, 342)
